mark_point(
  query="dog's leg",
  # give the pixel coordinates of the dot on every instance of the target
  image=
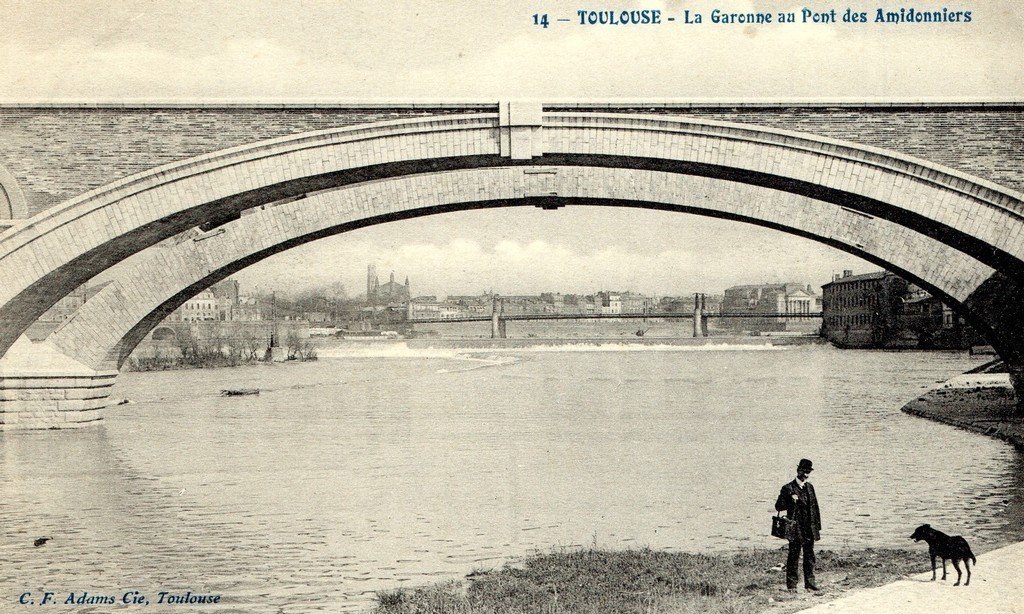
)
(933, 568)
(943, 569)
(956, 566)
(967, 566)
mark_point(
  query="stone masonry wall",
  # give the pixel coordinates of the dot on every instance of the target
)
(985, 141)
(56, 153)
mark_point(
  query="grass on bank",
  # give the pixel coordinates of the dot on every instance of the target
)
(649, 581)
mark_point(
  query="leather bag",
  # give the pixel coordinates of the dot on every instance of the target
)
(783, 528)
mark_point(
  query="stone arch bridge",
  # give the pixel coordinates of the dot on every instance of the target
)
(165, 200)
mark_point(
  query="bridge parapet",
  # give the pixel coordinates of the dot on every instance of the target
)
(58, 151)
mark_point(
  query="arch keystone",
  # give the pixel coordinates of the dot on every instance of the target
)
(519, 125)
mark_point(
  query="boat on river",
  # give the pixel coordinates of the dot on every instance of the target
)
(239, 392)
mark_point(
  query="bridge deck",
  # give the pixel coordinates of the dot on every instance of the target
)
(615, 316)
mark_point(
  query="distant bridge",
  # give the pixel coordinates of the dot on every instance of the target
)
(618, 316)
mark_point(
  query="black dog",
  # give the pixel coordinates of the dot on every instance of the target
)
(954, 548)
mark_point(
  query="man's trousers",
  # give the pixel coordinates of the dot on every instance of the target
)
(795, 546)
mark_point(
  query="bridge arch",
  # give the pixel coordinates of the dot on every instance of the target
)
(164, 333)
(178, 268)
(12, 199)
(956, 234)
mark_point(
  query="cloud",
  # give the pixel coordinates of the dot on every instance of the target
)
(579, 256)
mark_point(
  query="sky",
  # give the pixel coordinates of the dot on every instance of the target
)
(574, 250)
(355, 50)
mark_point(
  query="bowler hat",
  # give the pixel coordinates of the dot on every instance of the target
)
(805, 465)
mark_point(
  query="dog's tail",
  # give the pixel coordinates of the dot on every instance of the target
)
(967, 550)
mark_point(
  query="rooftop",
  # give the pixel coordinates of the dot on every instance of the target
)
(861, 277)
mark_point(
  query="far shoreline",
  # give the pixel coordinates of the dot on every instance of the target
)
(213, 360)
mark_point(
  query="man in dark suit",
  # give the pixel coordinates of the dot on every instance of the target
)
(798, 500)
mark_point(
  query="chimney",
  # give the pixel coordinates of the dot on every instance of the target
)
(847, 272)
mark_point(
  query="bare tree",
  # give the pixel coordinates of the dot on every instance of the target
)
(251, 343)
(294, 344)
(308, 350)
(188, 343)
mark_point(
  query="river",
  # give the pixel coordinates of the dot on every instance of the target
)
(389, 464)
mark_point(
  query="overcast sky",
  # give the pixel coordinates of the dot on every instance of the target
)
(438, 50)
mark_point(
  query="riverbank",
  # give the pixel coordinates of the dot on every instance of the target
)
(986, 407)
(995, 588)
(211, 360)
(159, 363)
(634, 581)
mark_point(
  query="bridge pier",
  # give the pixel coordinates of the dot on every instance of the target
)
(43, 389)
(698, 316)
(703, 315)
(498, 330)
(997, 308)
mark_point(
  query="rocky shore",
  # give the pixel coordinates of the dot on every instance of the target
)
(981, 402)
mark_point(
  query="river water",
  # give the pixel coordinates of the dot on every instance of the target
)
(392, 464)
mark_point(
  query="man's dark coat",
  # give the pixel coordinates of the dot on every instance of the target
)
(804, 510)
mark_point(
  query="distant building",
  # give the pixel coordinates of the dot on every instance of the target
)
(425, 309)
(474, 304)
(247, 310)
(610, 303)
(391, 293)
(882, 310)
(685, 303)
(928, 323)
(589, 305)
(863, 311)
(787, 298)
(226, 294)
(516, 304)
(221, 302)
(200, 308)
(555, 299)
(631, 302)
(676, 304)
